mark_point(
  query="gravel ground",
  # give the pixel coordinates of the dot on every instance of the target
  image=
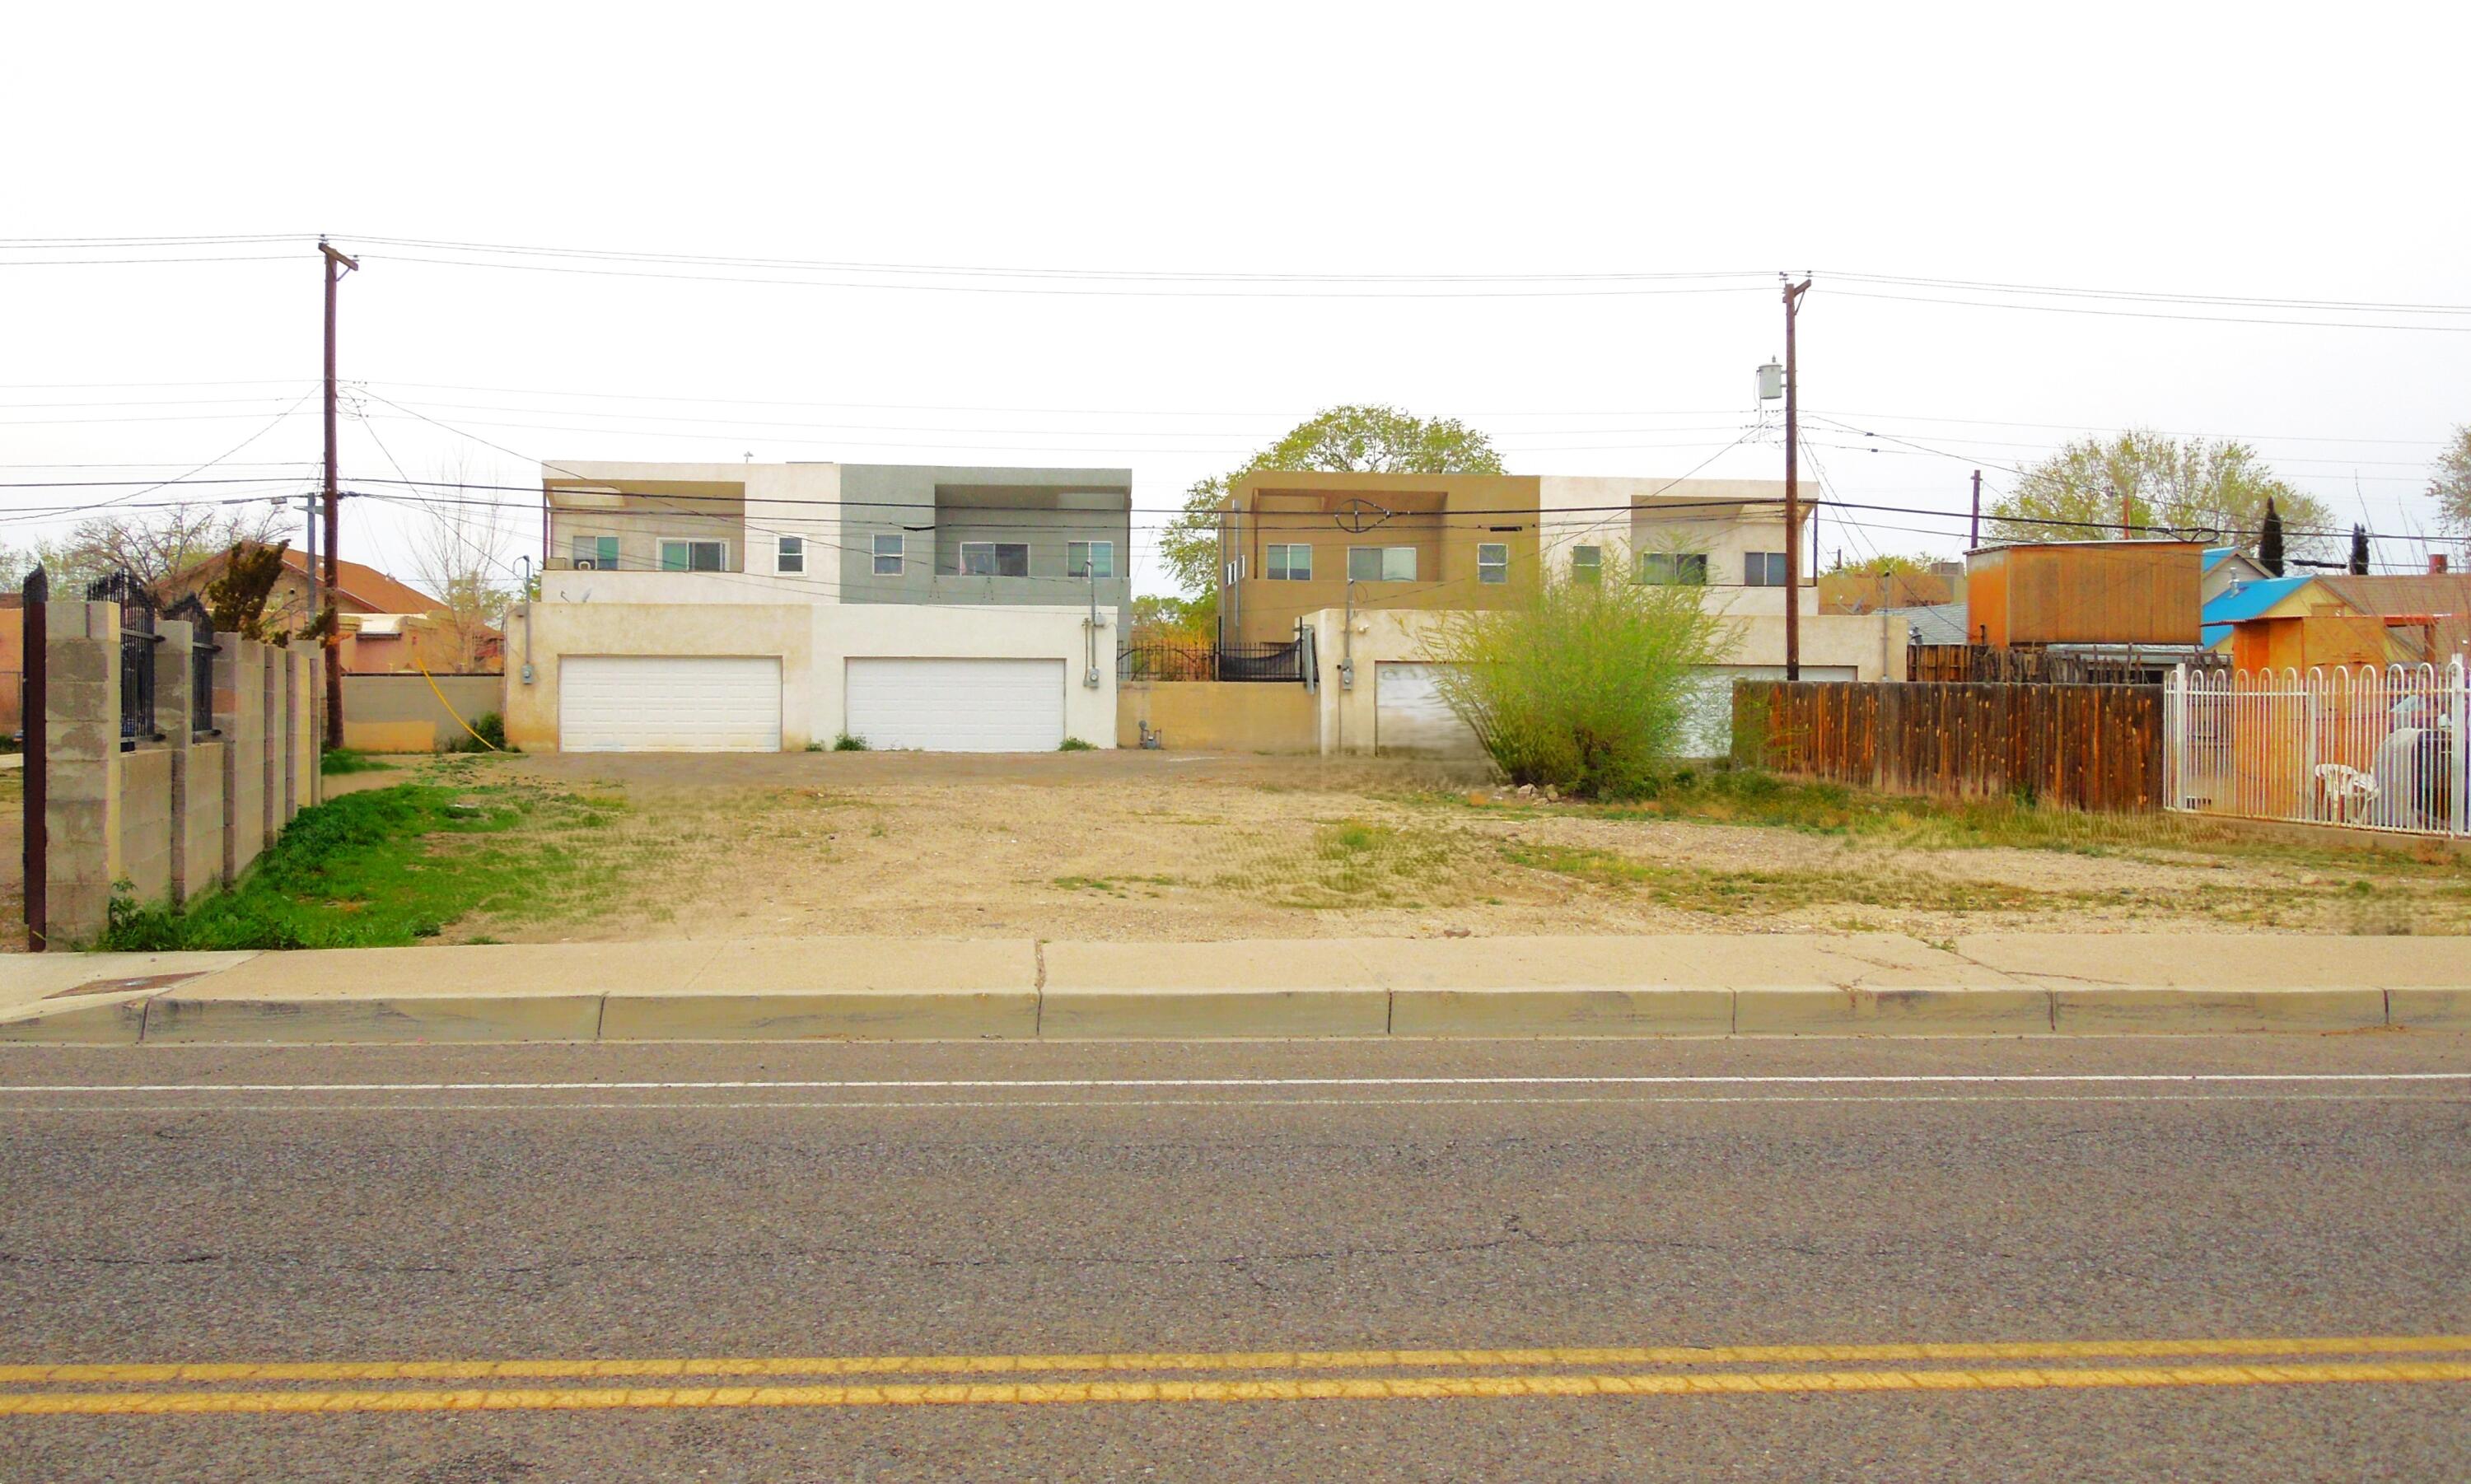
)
(1135, 846)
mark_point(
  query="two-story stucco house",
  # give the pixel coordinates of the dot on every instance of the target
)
(758, 607)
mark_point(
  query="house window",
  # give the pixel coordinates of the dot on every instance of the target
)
(1289, 562)
(1669, 569)
(1763, 569)
(995, 560)
(1381, 564)
(694, 556)
(1586, 563)
(890, 556)
(599, 553)
(790, 555)
(1492, 562)
(1089, 558)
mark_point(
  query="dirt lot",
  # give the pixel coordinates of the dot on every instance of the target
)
(1136, 845)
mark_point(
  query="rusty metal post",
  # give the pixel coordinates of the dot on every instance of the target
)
(32, 703)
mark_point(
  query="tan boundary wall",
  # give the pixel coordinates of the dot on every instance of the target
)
(1218, 716)
(402, 714)
(183, 812)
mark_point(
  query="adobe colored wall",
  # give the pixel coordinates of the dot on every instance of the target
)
(1218, 716)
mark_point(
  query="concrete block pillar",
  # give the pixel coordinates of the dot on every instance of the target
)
(240, 686)
(174, 698)
(271, 673)
(81, 767)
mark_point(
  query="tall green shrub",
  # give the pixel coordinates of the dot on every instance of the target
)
(1585, 686)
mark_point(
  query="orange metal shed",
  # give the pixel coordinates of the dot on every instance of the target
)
(2086, 592)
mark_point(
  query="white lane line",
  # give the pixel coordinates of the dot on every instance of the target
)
(895, 1104)
(921, 1084)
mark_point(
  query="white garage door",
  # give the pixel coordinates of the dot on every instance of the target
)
(669, 703)
(1410, 718)
(959, 705)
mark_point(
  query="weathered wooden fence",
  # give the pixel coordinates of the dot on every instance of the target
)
(2083, 747)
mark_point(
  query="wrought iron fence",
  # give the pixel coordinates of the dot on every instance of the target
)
(2369, 748)
(137, 641)
(1168, 659)
(202, 662)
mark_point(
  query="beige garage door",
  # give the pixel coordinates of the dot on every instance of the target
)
(669, 703)
(957, 705)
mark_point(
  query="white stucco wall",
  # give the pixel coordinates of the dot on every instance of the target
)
(707, 613)
(1871, 645)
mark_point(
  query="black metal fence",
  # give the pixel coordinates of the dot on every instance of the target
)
(1172, 659)
(137, 642)
(202, 663)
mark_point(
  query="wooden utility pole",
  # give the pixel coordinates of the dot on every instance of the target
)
(1793, 293)
(1974, 541)
(337, 266)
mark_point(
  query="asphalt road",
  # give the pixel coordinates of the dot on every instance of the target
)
(1097, 1226)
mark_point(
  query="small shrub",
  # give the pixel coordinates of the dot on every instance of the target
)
(1587, 686)
(1075, 745)
(845, 742)
(492, 728)
(344, 760)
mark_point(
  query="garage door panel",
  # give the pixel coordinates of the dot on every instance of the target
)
(957, 705)
(669, 703)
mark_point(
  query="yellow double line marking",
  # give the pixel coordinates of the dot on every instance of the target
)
(1884, 1377)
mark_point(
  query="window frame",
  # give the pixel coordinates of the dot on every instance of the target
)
(1098, 547)
(1772, 571)
(1492, 571)
(1381, 555)
(900, 554)
(604, 551)
(994, 551)
(1681, 569)
(790, 554)
(1279, 561)
(1588, 563)
(691, 543)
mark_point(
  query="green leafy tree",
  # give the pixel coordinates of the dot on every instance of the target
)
(1360, 439)
(2449, 484)
(2268, 541)
(1585, 686)
(2206, 490)
(236, 599)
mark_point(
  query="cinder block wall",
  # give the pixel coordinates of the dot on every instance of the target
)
(184, 811)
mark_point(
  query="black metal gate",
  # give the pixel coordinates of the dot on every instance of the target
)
(137, 642)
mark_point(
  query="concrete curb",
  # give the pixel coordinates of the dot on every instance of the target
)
(1018, 990)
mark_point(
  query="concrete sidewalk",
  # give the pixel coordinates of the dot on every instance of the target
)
(929, 989)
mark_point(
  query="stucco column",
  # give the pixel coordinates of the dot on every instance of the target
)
(81, 767)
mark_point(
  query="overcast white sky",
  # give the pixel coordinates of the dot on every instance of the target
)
(2279, 152)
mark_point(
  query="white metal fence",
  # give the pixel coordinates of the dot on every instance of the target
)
(2373, 749)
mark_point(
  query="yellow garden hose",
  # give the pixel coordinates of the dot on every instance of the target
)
(450, 708)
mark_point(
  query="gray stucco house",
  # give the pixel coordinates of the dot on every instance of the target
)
(951, 534)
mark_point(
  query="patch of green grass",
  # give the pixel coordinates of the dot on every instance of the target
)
(384, 868)
(1075, 745)
(1347, 863)
(344, 760)
(1724, 893)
